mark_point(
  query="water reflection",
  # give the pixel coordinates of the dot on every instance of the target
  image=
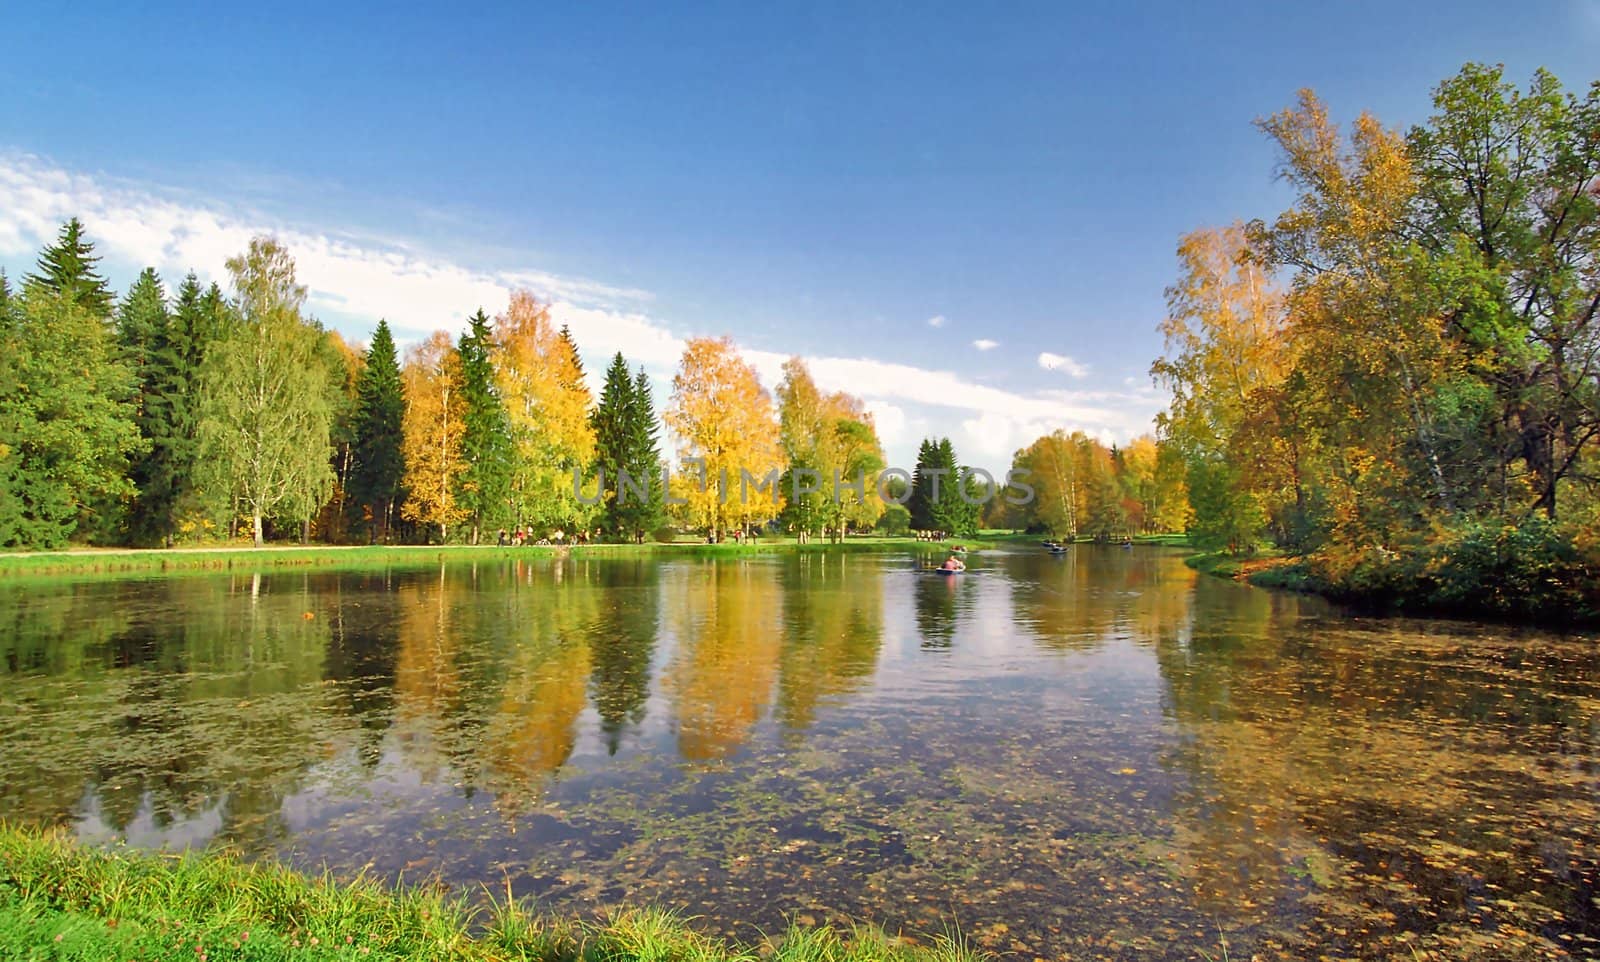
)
(1092, 754)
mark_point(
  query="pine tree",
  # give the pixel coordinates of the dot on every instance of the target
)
(485, 484)
(380, 409)
(67, 267)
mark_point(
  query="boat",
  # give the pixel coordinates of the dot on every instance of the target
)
(949, 571)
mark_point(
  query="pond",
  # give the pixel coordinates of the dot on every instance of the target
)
(1091, 755)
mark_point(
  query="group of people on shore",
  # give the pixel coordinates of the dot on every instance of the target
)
(520, 537)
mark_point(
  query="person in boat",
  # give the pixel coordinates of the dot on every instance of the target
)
(953, 563)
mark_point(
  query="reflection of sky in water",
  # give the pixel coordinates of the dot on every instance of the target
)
(1092, 751)
(147, 828)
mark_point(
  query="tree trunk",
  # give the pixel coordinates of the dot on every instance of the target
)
(256, 529)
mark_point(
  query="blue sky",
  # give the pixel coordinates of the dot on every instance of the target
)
(814, 179)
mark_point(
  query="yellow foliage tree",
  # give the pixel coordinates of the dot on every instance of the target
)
(432, 428)
(541, 380)
(722, 415)
(833, 435)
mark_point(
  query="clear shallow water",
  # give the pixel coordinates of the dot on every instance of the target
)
(1095, 755)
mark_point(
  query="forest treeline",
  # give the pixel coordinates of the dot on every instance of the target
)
(211, 415)
(1399, 377)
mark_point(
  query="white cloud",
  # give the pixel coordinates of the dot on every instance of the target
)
(360, 278)
(1063, 363)
(984, 344)
(936, 320)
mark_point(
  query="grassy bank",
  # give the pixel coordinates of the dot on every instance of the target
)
(158, 560)
(59, 900)
(134, 561)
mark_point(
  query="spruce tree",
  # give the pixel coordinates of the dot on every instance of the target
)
(957, 509)
(922, 500)
(145, 337)
(380, 406)
(67, 267)
(625, 453)
(639, 517)
(609, 419)
(577, 359)
(485, 483)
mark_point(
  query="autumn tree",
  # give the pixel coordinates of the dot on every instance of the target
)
(540, 378)
(433, 427)
(265, 430)
(723, 417)
(1226, 346)
(346, 362)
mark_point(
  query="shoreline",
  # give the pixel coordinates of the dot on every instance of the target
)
(1294, 573)
(133, 561)
(62, 899)
(116, 562)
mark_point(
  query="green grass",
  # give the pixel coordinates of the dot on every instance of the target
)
(91, 561)
(62, 901)
(1266, 569)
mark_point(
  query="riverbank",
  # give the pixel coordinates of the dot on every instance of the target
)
(91, 561)
(135, 561)
(60, 900)
(1519, 590)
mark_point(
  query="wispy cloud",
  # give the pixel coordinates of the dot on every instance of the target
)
(984, 344)
(360, 277)
(1060, 362)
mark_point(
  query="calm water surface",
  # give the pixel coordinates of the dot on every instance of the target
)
(1098, 755)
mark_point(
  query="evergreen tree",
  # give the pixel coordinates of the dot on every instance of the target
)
(380, 408)
(609, 419)
(485, 485)
(145, 337)
(922, 500)
(937, 488)
(67, 267)
(575, 375)
(199, 319)
(639, 517)
(626, 458)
